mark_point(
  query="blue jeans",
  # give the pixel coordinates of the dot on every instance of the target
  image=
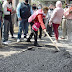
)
(0, 23)
(23, 25)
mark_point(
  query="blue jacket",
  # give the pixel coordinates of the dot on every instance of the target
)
(18, 10)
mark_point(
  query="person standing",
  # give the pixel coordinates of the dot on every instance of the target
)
(11, 24)
(1, 12)
(64, 28)
(50, 11)
(23, 13)
(7, 9)
(68, 15)
(56, 18)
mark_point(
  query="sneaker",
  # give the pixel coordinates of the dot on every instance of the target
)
(18, 40)
(6, 42)
(28, 40)
(9, 41)
(25, 36)
(55, 41)
(45, 35)
(12, 37)
(36, 44)
(62, 38)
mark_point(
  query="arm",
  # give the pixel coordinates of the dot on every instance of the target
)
(31, 10)
(1, 10)
(53, 15)
(40, 18)
(5, 10)
(66, 12)
(18, 10)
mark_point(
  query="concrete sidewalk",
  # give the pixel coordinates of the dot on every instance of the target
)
(45, 42)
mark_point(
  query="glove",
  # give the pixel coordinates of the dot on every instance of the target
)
(44, 30)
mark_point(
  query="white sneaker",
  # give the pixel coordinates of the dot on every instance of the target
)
(18, 40)
(7, 42)
(55, 41)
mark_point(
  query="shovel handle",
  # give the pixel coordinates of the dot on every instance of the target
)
(52, 42)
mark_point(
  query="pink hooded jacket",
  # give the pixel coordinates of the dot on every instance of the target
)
(33, 16)
(57, 13)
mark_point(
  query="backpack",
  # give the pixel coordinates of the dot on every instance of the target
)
(25, 11)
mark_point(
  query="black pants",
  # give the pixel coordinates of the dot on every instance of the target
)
(31, 25)
(11, 28)
(35, 33)
(40, 30)
(49, 30)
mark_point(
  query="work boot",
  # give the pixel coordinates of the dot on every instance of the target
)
(28, 40)
(36, 44)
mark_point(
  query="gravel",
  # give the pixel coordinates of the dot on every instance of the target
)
(37, 60)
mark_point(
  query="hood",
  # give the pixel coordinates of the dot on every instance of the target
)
(59, 4)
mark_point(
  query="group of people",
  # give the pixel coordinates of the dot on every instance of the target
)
(47, 19)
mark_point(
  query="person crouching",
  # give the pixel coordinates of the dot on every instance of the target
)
(37, 19)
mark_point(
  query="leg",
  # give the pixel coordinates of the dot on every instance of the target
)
(11, 28)
(69, 30)
(31, 25)
(26, 24)
(20, 29)
(6, 28)
(0, 32)
(40, 30)
(35, 37)
(50, 30)
(32, 33)
(55, 26)
(64, 27)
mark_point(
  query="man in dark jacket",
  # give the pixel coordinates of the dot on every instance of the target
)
(23, 13)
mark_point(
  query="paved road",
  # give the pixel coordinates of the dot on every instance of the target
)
(16, 57)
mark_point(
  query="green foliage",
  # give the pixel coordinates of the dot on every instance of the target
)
(63, 5)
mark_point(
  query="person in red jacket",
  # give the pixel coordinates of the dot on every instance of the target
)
(38, 21)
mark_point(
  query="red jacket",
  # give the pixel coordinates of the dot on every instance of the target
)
(39, 18)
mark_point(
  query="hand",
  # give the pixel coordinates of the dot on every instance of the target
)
(0, 17)
(50, 23)
(19, 19)
(13, 12)
(44, 30)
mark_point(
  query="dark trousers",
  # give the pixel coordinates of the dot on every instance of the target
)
(11, 28)
(49, 30)
(31, 25)
(35, 33)
(40, 32)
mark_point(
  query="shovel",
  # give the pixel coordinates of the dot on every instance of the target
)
(57, 49)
